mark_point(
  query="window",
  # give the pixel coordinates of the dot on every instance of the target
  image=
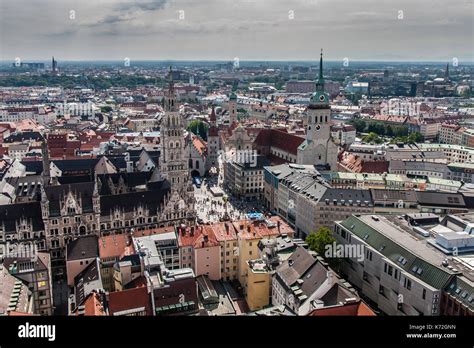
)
(390, 270)
(407, 284)
(424, 294)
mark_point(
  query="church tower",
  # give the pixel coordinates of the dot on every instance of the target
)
(318, 112)
(318, 148)
(232, 108)
(175, 152)
(213, 143)
(446, 72)
(46, 173)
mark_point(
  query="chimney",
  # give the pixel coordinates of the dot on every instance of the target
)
(226, 228)
(278, 223)
(248, 228)
(330, 276)
(192, 231)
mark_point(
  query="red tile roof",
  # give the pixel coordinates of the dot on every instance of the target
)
(279, 139)
(93, 306)
(224, 231)
(199, 144)
(356, 164)
(129, 299)
(115, 246)
(352, 309)
(152, 231)
(203, 237)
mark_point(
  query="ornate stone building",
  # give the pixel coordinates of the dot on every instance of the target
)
(174, 167)
(319, 149)
(101, 201)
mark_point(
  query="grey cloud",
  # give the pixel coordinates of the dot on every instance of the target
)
(215, 29)
(143, 5)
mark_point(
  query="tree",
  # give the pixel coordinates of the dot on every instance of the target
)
(199, 128)
(106, 109)
(400, 131)
(372, 138)
(377, 128)
(415, 137)
(318, 241)
(359, 125)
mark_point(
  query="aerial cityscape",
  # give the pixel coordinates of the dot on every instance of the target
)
(236, 169)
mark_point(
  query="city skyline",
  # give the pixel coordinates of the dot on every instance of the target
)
(267, 30)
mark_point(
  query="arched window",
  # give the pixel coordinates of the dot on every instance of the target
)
(171, 144)
(320, 119)
(326, 119)
(190, 163)
(197, 164)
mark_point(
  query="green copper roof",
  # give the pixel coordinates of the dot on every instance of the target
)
(431, 274)
(319, 97)
(462, 289)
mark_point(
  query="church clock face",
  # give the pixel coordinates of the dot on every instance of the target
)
(321, 98)
(318, 127)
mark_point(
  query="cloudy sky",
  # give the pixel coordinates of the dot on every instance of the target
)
(247, 29)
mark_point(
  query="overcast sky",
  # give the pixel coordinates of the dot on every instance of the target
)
(247, 29)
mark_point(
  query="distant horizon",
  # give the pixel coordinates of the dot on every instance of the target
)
(252, 30)
(315, 61)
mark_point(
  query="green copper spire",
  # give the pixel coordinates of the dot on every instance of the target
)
(320, 82)
(321, 65)
(319, 99)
